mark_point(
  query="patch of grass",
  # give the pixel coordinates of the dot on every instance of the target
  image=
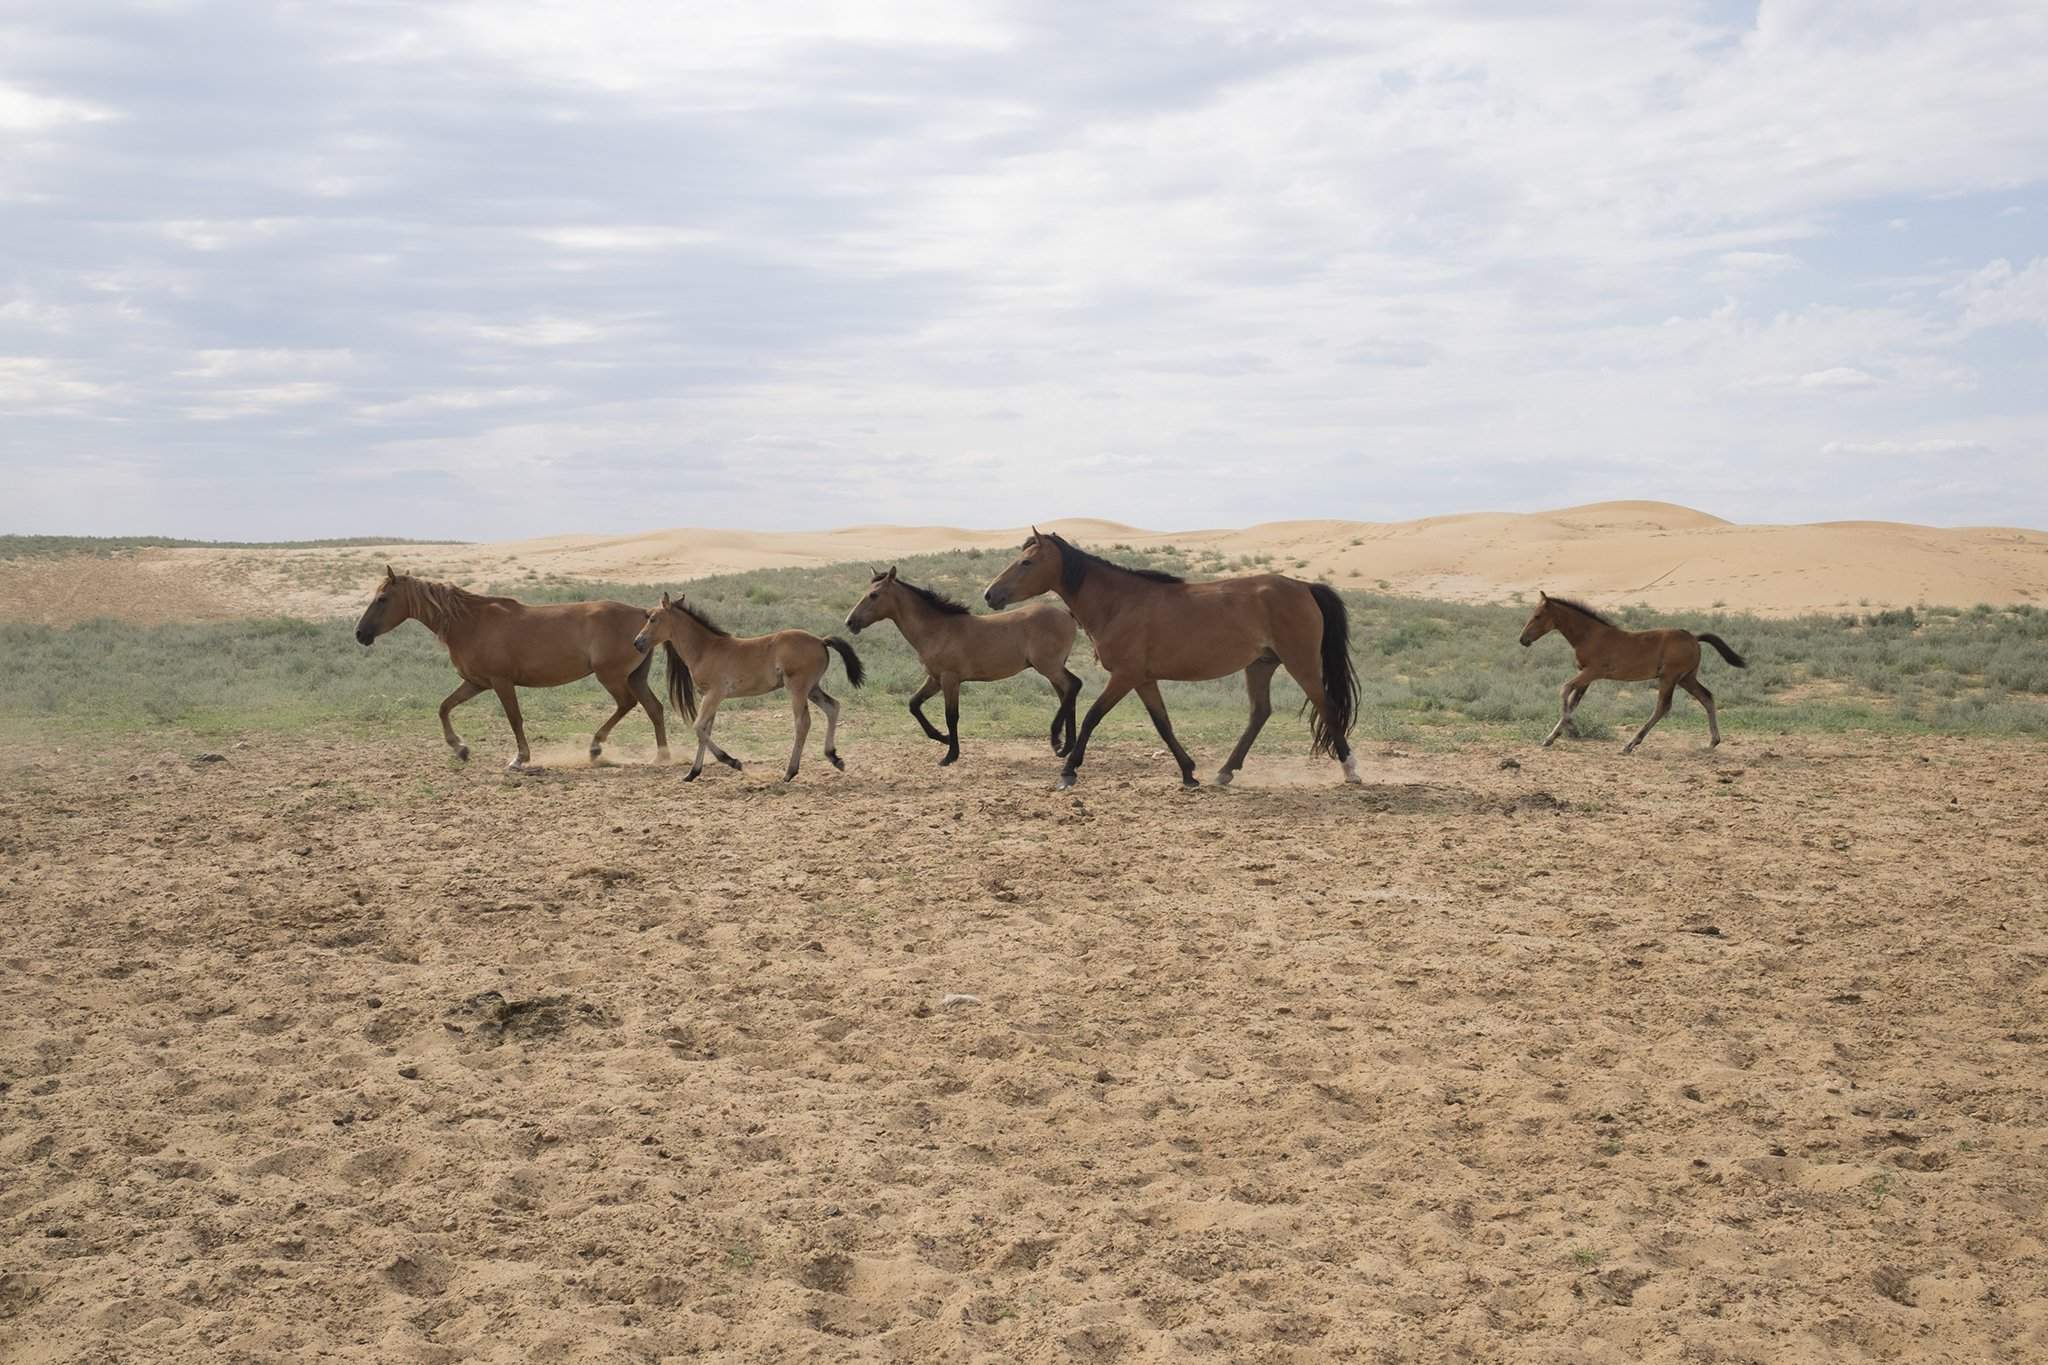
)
(1585, 1258)
(1431, 673)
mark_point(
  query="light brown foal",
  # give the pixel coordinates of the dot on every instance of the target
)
(500, 644)
(1604, 650)
(956, 646)
(699, 649)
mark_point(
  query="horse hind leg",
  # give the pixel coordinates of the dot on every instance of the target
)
(830, 706)
(623, 698)
(1065, 687)
(917, 701)
(1307, 671)
(1258, 685)
(1664, 690)
(508, 697)
(1691, 683)
(707, 712)
(800, 705)
(951, 685)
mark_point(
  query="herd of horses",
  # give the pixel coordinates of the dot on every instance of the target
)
(1146, 627)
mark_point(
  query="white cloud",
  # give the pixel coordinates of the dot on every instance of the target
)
(1837, 379)
(2000, 294)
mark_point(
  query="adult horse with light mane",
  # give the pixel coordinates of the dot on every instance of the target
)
(1150, 627)
(500, 644)
(734, 666)
(1604, 650)
(956, 646)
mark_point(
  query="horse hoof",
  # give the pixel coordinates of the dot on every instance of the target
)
(1065, 783)
(462, 753)
(789, 776)
(952, 756)
(661, 755)
(1223, 776)
(596, 749)
(1188, 783)
(693, 774)
(835, 760)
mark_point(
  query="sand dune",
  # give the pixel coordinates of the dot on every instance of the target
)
(1671, 557)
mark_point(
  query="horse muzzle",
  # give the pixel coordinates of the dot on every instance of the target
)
(366, 638)
(640, 644)
(996, 598)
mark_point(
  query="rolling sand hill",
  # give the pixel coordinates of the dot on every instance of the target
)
(1615, 552)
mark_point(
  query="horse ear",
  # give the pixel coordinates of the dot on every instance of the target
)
(1542, 595)
(390, 572)
(664, 601)
(891, 575)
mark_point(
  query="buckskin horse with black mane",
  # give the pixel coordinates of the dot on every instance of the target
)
(1604, 650)
(1149, 627)
(500, 644)
(956, 646)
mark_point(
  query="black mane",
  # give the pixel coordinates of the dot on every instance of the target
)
(701, 619)
(937, 601)
(1582, 609)
(1075, 563)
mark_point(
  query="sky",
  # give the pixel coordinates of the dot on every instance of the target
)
(500, 269)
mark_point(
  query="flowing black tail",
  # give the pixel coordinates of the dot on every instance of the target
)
(855, 674)
(1331, 730)
(1718, 643)
(682, 688)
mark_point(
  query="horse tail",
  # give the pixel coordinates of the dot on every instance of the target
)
(1718, 643)
(682, 688)
(1332, 725)
(855, 674)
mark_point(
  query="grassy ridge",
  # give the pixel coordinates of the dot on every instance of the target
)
(1429, 671)
(104, 547)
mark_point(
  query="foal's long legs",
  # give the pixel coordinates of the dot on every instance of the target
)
(508, 697)
(951, 686)
(1664, 689)
(707, 712)
(1258, 684)
(917, 701)
(1067, 688)
(800, 703)
(1569, 698)
(1112, 692)
(1691, 683)
(449, 703)
(1155, 706)
(830, 706)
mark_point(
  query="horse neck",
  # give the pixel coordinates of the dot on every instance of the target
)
(919, 621)
(1098, 597)
(429, 609)
(690, 638)
(1579, 631)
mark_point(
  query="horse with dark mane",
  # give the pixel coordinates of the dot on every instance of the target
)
(1150, 627)
(750, 666)
(500, 644)
(956, 646)
(1605, 650)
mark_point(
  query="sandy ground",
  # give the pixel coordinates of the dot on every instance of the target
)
(1613, 553)
(330, 1051)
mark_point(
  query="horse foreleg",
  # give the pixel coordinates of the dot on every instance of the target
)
(707, 712)
(1663, 706)
(1155, 706)
(1112, 692)
(1691, 683)
(1568, 699)
(508, 697)
(1258, 685)
(951, 685)
(1066, 687)
(917, 701)
(830, 706)
(800, 703)
(449, 703)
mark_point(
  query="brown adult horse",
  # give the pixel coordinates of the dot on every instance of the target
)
(1150, 627)
(956, 646)
(731, 666)
(499, 644)
(1605, 650)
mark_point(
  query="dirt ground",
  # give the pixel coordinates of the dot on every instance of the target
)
(328, 1050)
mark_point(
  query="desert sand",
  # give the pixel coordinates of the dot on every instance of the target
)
(328, 1050)
(1612, 553)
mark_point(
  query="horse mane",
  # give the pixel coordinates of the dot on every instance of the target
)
(1075, 564)
(700, 618)
(937, 601)
(1582, 609)
(438, 606)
